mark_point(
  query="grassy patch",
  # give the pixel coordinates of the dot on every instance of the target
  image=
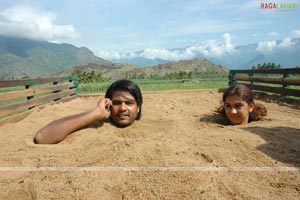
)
(159, 85)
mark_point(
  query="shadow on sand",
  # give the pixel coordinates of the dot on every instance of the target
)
(214, 118)
(280, 100)
(283, 143)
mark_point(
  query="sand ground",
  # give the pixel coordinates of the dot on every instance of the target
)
(176, 151)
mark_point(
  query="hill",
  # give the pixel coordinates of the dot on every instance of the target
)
(118, 71)
(23, 57)
(107, 69)
(185, 67)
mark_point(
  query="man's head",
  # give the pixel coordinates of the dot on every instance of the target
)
(127, 102)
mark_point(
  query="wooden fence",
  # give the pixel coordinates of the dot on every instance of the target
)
(19, 97)
(285, 81)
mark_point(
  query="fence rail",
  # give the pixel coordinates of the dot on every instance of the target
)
(19, 97)
(285, 81)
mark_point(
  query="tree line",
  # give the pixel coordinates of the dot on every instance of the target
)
(178, 75)
(97, 77)
(266, 66)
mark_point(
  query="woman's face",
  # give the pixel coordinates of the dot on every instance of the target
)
(237, 110)
(124, 108)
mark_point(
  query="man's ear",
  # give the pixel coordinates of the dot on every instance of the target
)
(251, 106)
(138, 109)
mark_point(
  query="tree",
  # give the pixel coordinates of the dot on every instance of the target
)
(88, 77)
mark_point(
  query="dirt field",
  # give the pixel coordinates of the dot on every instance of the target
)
(176, 151)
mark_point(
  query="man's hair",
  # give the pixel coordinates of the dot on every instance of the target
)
(128, 86)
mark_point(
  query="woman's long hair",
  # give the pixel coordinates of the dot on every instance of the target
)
(246, 94)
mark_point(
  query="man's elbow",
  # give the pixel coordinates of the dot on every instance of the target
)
(42, 138)
(38, 139)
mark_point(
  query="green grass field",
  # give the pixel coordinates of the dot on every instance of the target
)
(159, 85)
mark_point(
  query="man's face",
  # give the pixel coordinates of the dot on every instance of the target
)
(124, 108)
(237, 110)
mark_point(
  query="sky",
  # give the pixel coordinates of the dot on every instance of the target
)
(154, 29)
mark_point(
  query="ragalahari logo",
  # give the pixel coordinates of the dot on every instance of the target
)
(278, 6)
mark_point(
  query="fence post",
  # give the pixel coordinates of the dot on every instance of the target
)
(231, 77)
(285, 85)
(28, 85)
(75, 82)
(56, 91)
(251, 75)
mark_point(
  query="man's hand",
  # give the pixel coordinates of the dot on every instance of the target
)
(103, 109)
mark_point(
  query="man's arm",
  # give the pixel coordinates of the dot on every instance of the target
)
(57, 130)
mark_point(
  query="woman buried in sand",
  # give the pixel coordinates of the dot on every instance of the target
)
(239, 106)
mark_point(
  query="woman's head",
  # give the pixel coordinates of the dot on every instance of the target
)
(126, 100)
(238, 103)
(240, 90)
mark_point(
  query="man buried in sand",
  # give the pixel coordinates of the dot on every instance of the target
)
(122, 105)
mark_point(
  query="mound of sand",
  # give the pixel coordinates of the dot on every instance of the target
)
(176, 151)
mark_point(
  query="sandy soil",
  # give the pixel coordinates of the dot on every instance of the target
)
(176, 151)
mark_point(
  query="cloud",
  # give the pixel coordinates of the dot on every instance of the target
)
(296, 33)
(27, 22)
(287, 42)
(149, 53)
(116, 55)
(229, 47)
(273, 34)
(267, 46)
(152, 53)
(210, 48)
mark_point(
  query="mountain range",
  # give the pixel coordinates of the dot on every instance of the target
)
(21, 58)
(248, 55)
(24, 58)
(241, 57)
